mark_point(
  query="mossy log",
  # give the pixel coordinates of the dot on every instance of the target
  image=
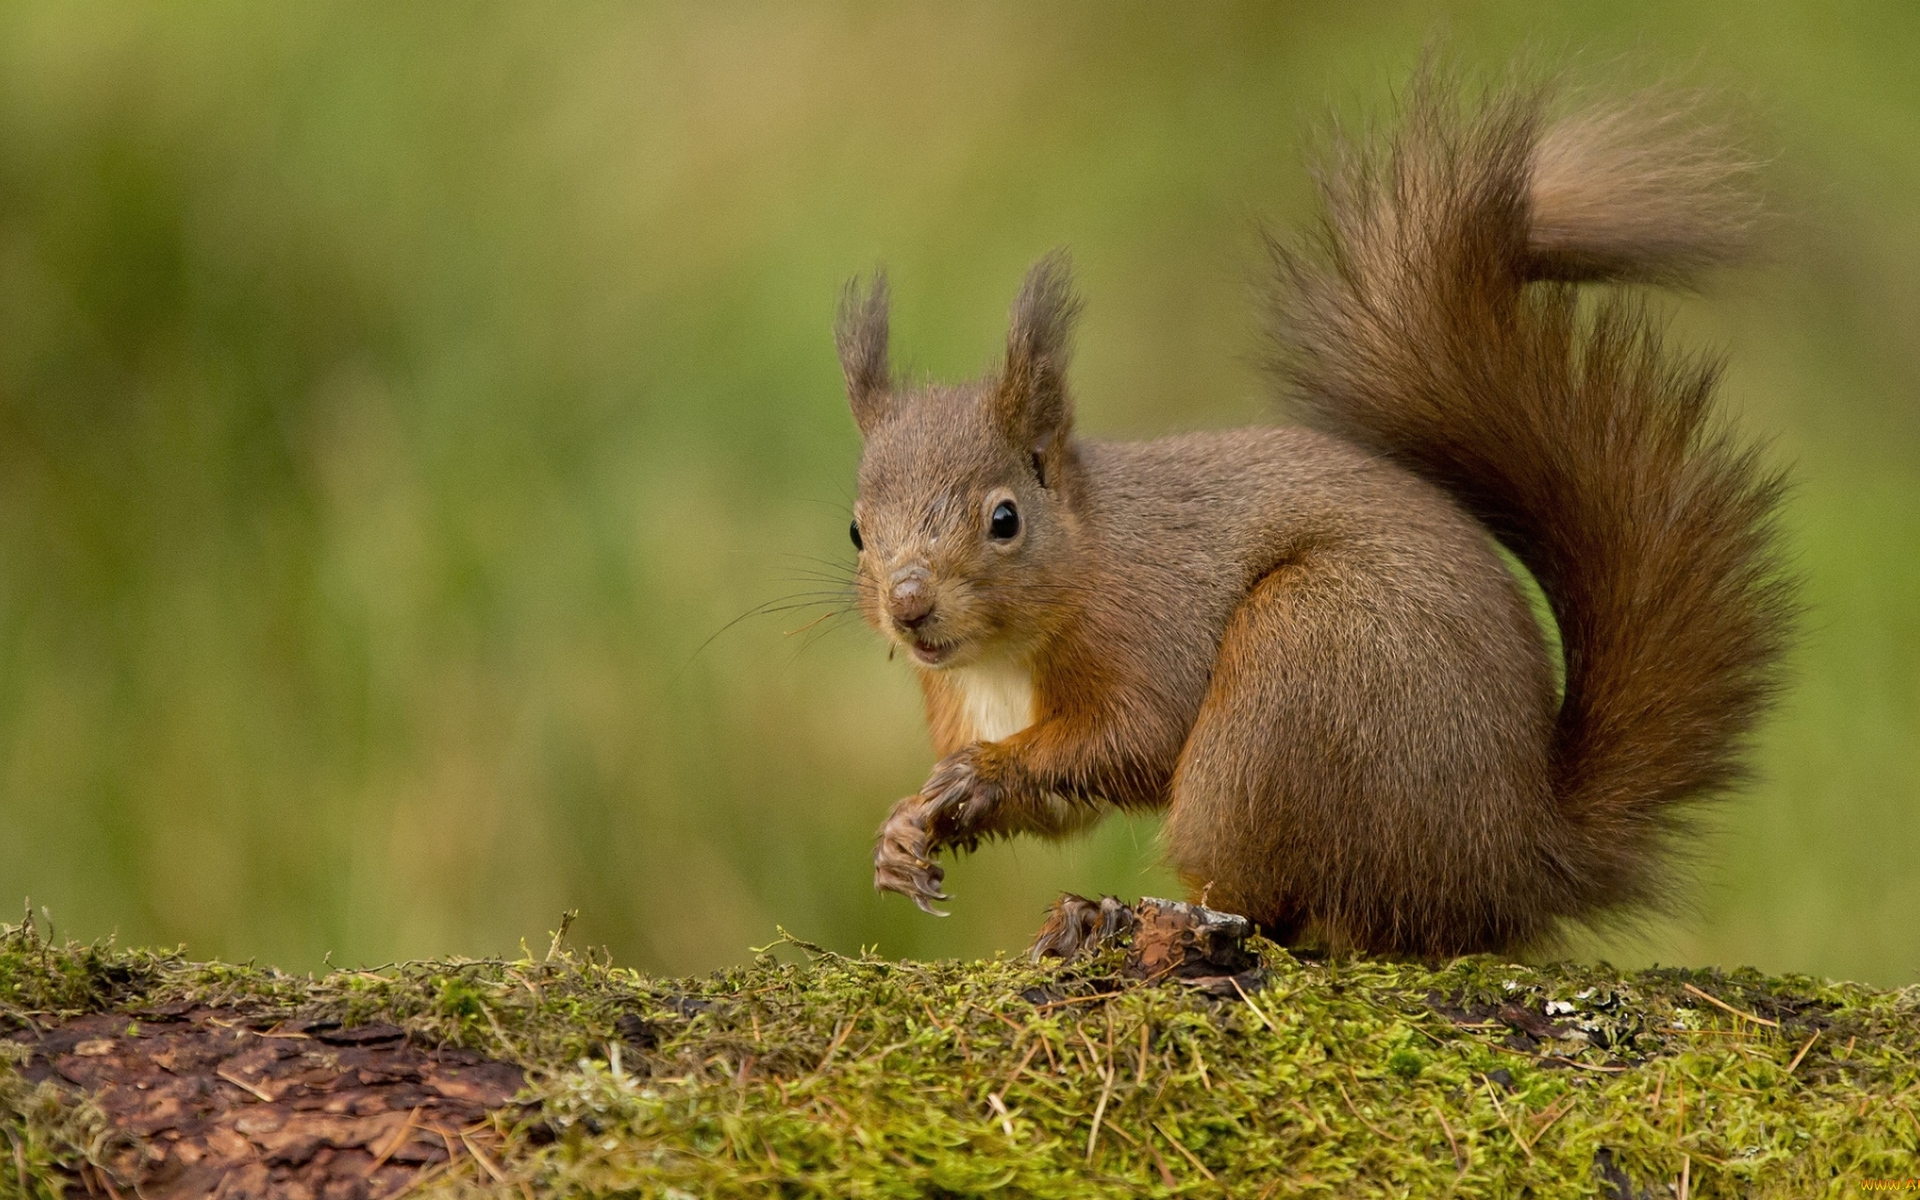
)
(808, 1073)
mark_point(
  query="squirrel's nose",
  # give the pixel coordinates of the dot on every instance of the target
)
(911, 601)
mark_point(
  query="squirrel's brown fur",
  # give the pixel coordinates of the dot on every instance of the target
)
(1301, 641)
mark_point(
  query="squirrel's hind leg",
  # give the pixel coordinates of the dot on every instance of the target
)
(1359, 775)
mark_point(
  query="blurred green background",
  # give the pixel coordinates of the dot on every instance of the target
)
(394, 399)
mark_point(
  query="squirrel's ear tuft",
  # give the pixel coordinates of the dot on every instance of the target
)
(860, 332)
(1031, 404)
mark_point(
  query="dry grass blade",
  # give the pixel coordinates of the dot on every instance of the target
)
(1271, 1027)
(1561, 1109)
(426, 1174)
(1051, 1004)
(1722, 1004)
(243, 1085)
(1184, 1152)
(1506, 1119)
(1160, 1164)
(1032, 1049)
(1099, 1060)
(394, 1143)
(486, 1164)
(833, 1047)
(1453, 1143)
(1354, 1109)
(1803, 1051)
(1000, 1106)
(1100, 1109)
(448, 1136)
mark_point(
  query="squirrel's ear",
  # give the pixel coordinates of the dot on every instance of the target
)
(1031, 405)
(860, 332)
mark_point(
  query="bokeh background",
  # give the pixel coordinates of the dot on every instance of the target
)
(396, 399)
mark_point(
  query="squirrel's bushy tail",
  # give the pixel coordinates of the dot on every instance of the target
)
(1436, 321)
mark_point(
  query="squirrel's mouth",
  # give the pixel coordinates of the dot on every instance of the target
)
(929, 653)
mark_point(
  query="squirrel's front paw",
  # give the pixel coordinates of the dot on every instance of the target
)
(961, 794)
(950, 812)
(903, 860)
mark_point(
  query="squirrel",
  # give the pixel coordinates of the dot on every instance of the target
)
(1301, 641)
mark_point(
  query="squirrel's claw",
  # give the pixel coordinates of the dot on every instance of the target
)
(946, 814)
(918, 884)
(1077, 926)
(901, 858)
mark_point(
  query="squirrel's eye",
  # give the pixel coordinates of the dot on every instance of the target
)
(1005, 523)
(853, 531)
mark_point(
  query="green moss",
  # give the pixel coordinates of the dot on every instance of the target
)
(827, 1076)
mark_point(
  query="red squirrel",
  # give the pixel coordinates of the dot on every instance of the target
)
(1301, 641)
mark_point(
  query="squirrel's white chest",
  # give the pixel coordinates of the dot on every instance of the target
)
(996, 697)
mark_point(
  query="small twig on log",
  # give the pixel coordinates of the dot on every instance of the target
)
(560, 934)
